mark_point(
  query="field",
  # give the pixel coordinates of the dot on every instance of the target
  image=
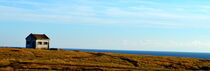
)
(22, 59)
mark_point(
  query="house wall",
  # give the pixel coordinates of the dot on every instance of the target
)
(42, 46)
(31, 41)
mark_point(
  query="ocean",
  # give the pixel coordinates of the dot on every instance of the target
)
(156, 53)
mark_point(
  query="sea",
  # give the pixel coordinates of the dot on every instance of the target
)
(156, 53)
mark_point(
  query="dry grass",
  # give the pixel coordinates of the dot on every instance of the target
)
(49, 60)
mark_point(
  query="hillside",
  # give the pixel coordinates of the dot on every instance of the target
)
(48, 60)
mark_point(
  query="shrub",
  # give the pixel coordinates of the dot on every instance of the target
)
(4, 63)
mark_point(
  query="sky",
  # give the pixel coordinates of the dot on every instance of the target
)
(148, 25)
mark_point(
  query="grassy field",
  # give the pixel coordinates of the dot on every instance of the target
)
(22, 59)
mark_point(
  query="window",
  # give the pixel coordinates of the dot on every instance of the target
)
(28, 42)
(40, 43)
(45, 43)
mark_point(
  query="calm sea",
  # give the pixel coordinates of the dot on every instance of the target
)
(157, 53)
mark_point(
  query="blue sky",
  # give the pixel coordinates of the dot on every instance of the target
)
(150, 25)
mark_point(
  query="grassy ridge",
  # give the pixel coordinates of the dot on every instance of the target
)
(36, 59)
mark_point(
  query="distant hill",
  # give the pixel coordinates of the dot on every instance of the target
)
(46, 60)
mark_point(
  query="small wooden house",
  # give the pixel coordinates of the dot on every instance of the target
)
(37, 41)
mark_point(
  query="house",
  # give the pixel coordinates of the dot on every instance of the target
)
(37, 41)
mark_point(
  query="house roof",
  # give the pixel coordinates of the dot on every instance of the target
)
(39, 36)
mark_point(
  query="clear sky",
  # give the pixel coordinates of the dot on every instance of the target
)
(150, 25)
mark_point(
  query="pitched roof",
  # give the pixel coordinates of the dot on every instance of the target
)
(39, 36)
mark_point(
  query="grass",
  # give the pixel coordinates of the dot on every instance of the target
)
(19, 59)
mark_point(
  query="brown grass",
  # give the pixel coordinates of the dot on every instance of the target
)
(47, 60)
